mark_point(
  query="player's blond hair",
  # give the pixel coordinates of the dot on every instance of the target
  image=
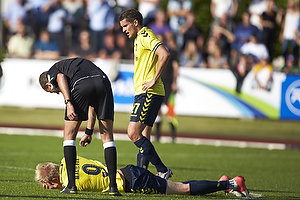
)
(45, 172)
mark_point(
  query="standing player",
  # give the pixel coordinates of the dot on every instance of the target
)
(169, 78)
(87, 93)
(150, 59)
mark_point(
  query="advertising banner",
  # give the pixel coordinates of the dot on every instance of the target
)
(201, 92)
(290, 103)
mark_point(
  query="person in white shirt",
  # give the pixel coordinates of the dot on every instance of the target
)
(256, 49)
(289, 27)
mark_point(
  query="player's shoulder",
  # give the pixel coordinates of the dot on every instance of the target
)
(147, 33)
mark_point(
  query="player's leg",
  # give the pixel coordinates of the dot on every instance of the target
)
(196, 187)
(142, 117)
(177, 188)
(205, 187)
(69, 144)
(141, 159)
(145, 146)
(158, 125)
(110, 153)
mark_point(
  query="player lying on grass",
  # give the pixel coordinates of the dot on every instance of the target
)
(93, 176)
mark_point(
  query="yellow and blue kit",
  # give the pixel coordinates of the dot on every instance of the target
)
(90, 175)
(145, 61)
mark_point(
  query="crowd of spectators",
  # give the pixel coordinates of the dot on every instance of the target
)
(52, 29)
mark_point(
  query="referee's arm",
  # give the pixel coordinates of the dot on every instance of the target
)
(64, 88)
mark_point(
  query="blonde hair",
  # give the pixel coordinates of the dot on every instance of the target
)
(45, 172)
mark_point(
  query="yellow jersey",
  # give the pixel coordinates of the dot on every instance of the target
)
(145, 62)
(257, 67)
(90, 175)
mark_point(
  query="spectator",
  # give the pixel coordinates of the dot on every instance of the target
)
(125, 45)
(101, 20)
(255, 49)
(191, 31)
(14, 12)
(240, 71)
(160, 26)
(269, 20)
(210, 46)
(169, 78)
(177, 11)
(223, 38)
(216, 60)
(122, 5)
(290, 67)
(110, 50)
(56, 23)
(263, 75)
(297, 39)
(242, 33)
(46, 48)
(289, 27)
(191, 57)
(78, 19)
(221, 8)
(20, 45)
(38, 17)
(223, 22)
(84, 48)
(148, 9)
(256, 9)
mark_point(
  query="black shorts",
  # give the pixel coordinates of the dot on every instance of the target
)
(145, 108)
(168, 90)
(92, 90)
(140, 180)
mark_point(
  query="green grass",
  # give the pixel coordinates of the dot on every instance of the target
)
(243, 128)
(272, 173)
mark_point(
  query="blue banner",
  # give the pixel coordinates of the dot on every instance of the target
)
(290, 98)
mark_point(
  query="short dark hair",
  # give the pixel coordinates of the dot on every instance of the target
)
(43, 80)
(130, 15)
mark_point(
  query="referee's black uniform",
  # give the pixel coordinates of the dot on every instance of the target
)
(89, 86)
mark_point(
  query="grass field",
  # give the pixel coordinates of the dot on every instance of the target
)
(224, 127)
(272, 173)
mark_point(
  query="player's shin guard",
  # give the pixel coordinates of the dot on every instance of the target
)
(142, 161)
(149, 152)
(205, 187)
(70, 158)
(110, 155)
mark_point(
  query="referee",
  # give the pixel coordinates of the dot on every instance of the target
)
(87, 93)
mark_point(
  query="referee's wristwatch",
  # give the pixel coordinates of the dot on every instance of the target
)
(67, 100)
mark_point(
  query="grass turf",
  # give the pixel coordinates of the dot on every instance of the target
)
(192, 125)
(272, 173)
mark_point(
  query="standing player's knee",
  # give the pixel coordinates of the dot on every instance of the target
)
(134, 135)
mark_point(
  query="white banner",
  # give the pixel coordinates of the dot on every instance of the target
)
(202, 92)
